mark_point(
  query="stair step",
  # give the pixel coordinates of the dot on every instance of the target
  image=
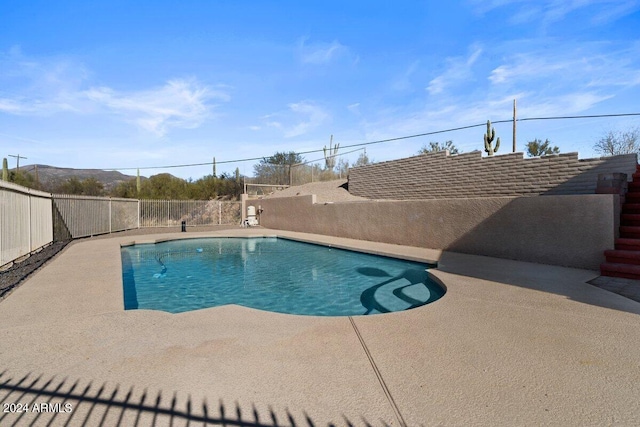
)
(630, 208)
(634, 185)
(623, 256)
(628, 244)
(630, 232)
(626, 271)
(633, 197)
(630, 219)
(636, 175)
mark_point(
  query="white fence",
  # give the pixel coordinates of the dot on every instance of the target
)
(31, 219)
(89, 216)
(167, 213)
(26, 222)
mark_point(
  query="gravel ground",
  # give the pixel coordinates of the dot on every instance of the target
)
(11, 277)
(14, 275)
(325, 191)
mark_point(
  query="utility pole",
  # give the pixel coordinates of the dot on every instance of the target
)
(514, 125)
(18, 157)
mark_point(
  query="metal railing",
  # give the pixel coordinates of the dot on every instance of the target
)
(25, 221)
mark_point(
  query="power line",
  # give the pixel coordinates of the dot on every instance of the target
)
(335, 155)
(381, 141)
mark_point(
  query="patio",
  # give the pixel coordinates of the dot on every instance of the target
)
(511, 343)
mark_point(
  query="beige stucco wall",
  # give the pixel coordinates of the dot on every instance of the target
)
(571, 231)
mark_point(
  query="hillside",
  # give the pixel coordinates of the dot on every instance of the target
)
(51, 176)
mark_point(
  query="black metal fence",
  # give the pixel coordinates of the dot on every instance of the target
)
(36, 400)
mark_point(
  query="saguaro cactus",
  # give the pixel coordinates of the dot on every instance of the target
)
(138, 186)
(5, 170)
(488, 140)
(330, 158)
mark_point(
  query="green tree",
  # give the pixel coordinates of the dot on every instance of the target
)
(205, 188)
(436, 146)
(615, 143)
(537, 148)
(71, 186)
(23, 178)
(87, 187)
(164, 186)
(92, 187)
(126, 189)
(231, 186)
(275, 169)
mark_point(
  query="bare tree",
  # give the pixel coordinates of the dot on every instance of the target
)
(363, 160)
(614, 143)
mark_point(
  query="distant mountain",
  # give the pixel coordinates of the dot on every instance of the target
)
(51, 176)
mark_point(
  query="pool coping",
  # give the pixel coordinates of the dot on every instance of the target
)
(429, 259)
(510, 342)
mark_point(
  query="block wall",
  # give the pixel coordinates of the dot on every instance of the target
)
(441, 175)
(571, 231)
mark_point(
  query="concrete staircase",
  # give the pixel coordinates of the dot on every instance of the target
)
(624, 260)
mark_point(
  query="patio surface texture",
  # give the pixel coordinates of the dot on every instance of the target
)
(511, 343)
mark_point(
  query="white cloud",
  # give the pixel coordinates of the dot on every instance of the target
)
(402, 83)
(299, 119)
(354, 108)
(321, 53)
(458, 69)
(48, 86)
(587, 65)
(547, 12)
(177, 104)
(39, 87)
(315, 116)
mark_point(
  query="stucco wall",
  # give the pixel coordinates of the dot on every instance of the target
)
(440, 175)
(571, 231)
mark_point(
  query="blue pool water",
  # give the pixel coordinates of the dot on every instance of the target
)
(270, 274)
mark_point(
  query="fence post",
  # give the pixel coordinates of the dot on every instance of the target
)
(138, 213)
(110, 217)
(30, 220)
(243, 205)
(219, 213)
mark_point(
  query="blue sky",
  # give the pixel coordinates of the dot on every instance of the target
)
(118, 84)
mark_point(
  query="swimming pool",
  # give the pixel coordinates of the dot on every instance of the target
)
(271, 274)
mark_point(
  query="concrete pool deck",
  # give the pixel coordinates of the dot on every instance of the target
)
(511, 343)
